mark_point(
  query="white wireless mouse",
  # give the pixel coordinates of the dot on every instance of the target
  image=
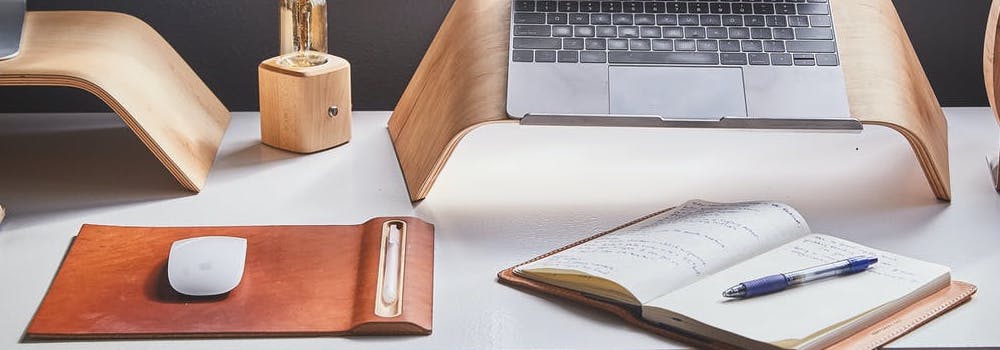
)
(209, 265)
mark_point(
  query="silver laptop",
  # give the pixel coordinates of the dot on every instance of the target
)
(11, 23)
(769, 64)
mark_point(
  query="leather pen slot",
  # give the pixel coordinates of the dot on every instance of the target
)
(392, 262)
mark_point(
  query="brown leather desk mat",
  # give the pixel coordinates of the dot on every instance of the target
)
(871, 337)
(298, 281)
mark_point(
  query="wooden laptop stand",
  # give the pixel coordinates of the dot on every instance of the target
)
(461, 84)
(132, 69)
(991, 71)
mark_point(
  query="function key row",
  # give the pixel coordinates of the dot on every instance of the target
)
(719, 7)
(631, 32)
(675, 45)
(667, 19)
(693, 58)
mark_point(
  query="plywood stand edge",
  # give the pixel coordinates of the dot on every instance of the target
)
(991, 72)
(461, 84)
(132, 69)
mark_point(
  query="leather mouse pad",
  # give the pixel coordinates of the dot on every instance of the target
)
(298, 280)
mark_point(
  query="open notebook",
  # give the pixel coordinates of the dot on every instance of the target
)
(673, 266)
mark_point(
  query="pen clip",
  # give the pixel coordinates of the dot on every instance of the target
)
(392, 262)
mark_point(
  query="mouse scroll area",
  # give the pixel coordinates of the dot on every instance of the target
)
(206, 266)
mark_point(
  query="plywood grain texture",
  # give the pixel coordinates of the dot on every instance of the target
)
(133, 70)
(461, 81)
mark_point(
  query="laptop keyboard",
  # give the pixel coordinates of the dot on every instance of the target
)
(708, 32)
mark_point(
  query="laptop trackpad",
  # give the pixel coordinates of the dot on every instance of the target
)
(678, 92)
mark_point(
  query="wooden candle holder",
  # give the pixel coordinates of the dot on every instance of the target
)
(129, 66)
(305, 109)
(462, 80)
(991, 71)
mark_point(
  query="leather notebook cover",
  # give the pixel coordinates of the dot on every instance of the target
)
(298, 281)
(871, 337)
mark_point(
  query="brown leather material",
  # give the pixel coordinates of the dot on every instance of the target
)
(298, 281)
(872, 337)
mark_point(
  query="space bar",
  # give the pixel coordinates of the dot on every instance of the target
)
(663, 57)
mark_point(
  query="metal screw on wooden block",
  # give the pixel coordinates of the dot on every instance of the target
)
(333, 111)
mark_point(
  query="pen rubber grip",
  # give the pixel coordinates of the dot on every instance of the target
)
(765, 285)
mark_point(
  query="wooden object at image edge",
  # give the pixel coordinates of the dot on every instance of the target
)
(131, 68)
(991, 73)
(461, 85)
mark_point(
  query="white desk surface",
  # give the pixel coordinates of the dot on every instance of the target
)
(508, 194)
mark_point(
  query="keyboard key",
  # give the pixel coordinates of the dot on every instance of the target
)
(776, 21)
(781, 59)
(569, 56)
(664, 57)
(711, 20)
(814, 33)
(562, 31)
(590, 6)
(676, 7)
(743, 9)
(557, 18)
(784, 33)
(805, 61)
(722, 7)
(583, 31)
(628, 32)
(708, 45)
(698, 7)
(754, 21)
(813, 9)
(632, 7)
(537, 43)
(717, 33)
(532, 30)
(811, 46)
(600, 18)
(821, 21)
(763, 9)
(529, 18)
(655, 7)
(593, 57)
(729, 46)
(732, 20)
(739, 33)
(737, 59)
(645, 19)
(784, 9)
(649, 32)
(663, 45)
(622, 19)
(760, 33)
(573, 44)
(695, 33)
(688, 20)
(607, 32)
(521, 5)
(638, 44)
(545, 56)
(759, 59)
(666, 20)
(827, 60)
(617, 44)
(611, 6)
(596, 44)
(579, 18)
(522, 56)
(752, 45)
(685, 45)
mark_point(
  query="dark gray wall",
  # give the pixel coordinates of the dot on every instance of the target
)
(384, 39)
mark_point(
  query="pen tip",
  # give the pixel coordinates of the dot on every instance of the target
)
(737, 291)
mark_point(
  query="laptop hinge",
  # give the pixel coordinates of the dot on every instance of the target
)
(815, 124)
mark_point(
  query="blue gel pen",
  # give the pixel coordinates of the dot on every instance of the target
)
(774, 283)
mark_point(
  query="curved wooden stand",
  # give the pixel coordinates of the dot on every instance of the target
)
(130, 67)
(461, 84)
(991, 72)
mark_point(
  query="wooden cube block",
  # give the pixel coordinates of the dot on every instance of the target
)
(305, 109)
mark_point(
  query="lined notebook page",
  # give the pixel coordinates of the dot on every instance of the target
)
(680, 246)
(798, 314)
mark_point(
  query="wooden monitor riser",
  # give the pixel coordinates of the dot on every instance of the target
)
(991, 70)
(131, 68)
(462, 80)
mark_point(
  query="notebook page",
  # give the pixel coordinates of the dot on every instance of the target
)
(810, 312)
(680, 246)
